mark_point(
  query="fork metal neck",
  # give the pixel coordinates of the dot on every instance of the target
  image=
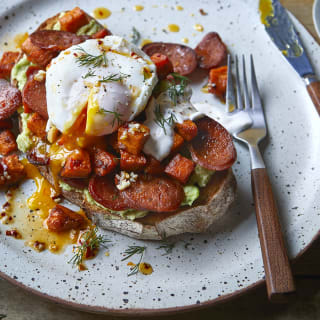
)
(255, 157)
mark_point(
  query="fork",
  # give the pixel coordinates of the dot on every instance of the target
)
(278, 273)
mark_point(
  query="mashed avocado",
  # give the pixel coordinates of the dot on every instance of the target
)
(19, 70)
(191, 194)
(57, 25)
(89, 29)
(24, 139)
(200, 176)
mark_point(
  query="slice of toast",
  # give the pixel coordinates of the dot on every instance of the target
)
(213, 203)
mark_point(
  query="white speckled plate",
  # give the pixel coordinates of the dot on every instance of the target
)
(228, 258)
(316, 15)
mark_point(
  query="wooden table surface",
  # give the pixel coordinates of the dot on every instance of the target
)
(17, 304)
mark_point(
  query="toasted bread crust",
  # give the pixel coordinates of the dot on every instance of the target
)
(213, 203)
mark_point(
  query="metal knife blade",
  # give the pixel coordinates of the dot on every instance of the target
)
(284, 35)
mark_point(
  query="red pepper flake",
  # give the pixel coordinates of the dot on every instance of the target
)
(3, 214)
(13, 233)
(10, 218)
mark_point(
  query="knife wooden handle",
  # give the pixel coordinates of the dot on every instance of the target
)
(314, 92)
(279, 279)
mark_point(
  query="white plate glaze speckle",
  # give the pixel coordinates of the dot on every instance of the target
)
(228, 258)
(316, 15)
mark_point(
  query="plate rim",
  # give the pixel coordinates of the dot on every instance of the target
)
(316, 21)
(144, 312)
(131, 312)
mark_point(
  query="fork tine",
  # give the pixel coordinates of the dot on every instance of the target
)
(230, 97)
(245, 85)
(256, 100)
(238, 88)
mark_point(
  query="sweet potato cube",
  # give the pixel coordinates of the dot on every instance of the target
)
(131, 162)
(63, 219)
(218, 81)
(11, 169)
(8, 60)
(104, 162)
(73, 20)
(77, 165)
(154, 166)
(163, 64)
(37, 125)
(188, 129)
(7, 142)
(132, 137)
(177, 142)
(180, 168)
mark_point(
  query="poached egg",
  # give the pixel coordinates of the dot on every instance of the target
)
(110, 77)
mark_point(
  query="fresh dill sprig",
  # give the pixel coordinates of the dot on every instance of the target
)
(89, 240)
(90, 73)
(161, 120)
(177, 86)
(136, 36)
(167, 247)
(131, 251)
(114, 77)
(87, 59)
(117, 116)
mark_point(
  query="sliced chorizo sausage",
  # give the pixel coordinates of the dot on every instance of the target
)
(159, 194)
(183, 58)
(7, 62)
(213, 147)
(104, 191)
(37, 55)
(34, 96)
(211, 51)
(10, 99)
(54, 40)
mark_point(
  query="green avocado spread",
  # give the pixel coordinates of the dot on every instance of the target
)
(19, 71)
(89, 29)
(24, 139)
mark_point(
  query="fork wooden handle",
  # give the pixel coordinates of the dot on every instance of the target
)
(314, 92)
(278, 273)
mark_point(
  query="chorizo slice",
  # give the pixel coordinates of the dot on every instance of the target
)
(183, 58)
(104, 191)
(7, 62)
(63, 219)
(37, 55)
(54, 40)
(159, 194)
(10, 99)
(34, 96)
(213, 147)
(211, 51)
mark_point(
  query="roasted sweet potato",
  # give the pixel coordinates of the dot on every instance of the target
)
(132, 137)
(188, 129)
(131, 162)
(163, 64)
(101, 34)
(177, 142)
(37, 125)
(7, 142)
(73, 20)
(104, 162)
(77, 165)
(180, 168)
(154, 167)
(218, 81)
(63, 219)
(8, 60)
(11, 170)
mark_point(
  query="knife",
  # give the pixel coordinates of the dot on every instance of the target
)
(284, 35)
